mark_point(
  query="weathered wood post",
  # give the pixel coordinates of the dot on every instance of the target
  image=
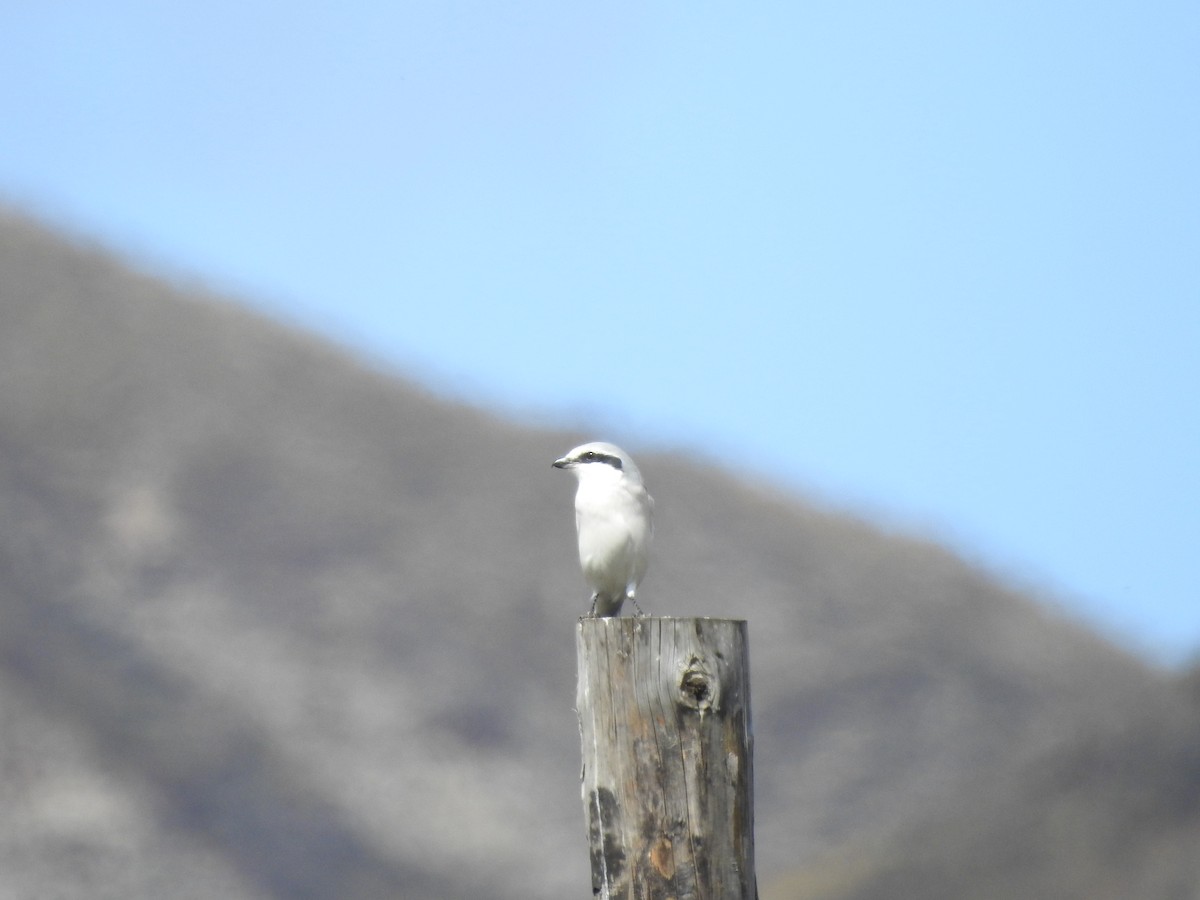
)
(664, 721)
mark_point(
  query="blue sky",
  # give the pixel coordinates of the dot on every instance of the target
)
(937, 262)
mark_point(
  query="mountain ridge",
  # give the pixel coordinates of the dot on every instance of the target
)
(377, 585)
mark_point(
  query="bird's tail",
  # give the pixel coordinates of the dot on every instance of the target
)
(606, 605)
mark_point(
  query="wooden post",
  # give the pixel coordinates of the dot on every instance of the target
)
(664, 721)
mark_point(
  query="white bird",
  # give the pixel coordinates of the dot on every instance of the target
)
(613, 517)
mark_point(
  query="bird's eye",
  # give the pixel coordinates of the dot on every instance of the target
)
(590, 455)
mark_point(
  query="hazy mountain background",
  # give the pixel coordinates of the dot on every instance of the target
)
(276, 623)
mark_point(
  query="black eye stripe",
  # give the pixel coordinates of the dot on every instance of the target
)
(594, 456)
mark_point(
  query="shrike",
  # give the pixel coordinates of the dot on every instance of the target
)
(613, 516)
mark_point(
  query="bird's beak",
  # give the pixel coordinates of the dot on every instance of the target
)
(561, 463)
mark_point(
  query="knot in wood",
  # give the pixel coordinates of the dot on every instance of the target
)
(697, 687)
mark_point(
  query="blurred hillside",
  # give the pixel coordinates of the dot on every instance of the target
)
(277, 624)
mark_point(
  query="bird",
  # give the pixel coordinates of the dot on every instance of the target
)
(614, 522)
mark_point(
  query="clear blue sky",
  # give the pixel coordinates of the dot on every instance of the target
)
(936, 261)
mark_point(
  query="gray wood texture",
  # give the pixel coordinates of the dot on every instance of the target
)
(664, 721)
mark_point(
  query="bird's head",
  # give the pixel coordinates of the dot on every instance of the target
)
(599, 459)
